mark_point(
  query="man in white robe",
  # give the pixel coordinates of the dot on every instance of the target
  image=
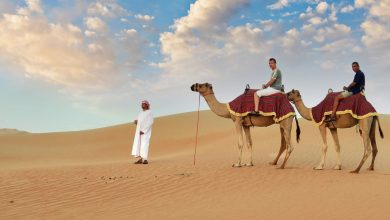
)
(143, 132)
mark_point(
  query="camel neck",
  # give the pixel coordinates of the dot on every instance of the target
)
(303, 110)
(218, 108)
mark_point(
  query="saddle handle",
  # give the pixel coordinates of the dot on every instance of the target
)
(247, 87)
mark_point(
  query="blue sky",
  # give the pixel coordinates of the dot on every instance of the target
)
(73, 65)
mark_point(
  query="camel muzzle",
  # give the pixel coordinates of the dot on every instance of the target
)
(194, 87)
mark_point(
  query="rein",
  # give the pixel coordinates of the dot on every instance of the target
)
(197, 129)
(197, 126)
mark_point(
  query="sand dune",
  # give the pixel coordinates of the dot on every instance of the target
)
(90, 175)
(6, 131)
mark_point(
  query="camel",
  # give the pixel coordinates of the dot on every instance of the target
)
(367, 131)
(243, 124)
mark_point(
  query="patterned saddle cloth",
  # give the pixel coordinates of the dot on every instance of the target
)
(276, 105)
(356, 105)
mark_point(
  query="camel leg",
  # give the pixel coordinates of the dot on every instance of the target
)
(281, 149)
(365, 125)
(247, 131)
(324, 147)
(373, 144)
(286, 126)
(333, 131)
(238, 124)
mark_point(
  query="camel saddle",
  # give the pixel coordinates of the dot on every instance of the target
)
(276, 105)
(356, 105)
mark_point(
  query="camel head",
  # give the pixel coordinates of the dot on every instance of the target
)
(294, 95)
(203, 89)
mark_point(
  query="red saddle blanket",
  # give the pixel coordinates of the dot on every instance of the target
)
(356, 105)
(276, 105)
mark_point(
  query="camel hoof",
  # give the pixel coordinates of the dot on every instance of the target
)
(337, 167)
(355, 171)
(318, 168)
(249, 164)
(236, 165)
(280, 168)
(273, 163)
(370, 169)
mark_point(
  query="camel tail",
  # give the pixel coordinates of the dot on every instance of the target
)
(298, 130)
(379, 127)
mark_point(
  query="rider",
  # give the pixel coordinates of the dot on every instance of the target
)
(273, 86)
(355, 87)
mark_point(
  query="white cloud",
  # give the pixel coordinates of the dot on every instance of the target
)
(145, 18)
(32, 6)
(49, 51)
(203, 41)
(291, 38)
(95, 47)
(244, 37)
(287, 14)
(332, 33)
(131, 32)
(347, 9)
(381, 9)
(322, 7)
(333, 14)
(89, 33)
(376, 27)
(107, 8)
(316, 21)
(278, 5)
(268, 25)
(363, 3)
(309, 13)
(376, 33)
(133, 47)
(343, 46)
(76, 61)
(96, 24)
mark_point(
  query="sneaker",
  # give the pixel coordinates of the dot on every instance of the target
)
(330, 119)
(145, 162)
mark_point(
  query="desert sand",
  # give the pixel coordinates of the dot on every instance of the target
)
(90, 174)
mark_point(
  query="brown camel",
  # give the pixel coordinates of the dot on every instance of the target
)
(367, 130)
(243, 124)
